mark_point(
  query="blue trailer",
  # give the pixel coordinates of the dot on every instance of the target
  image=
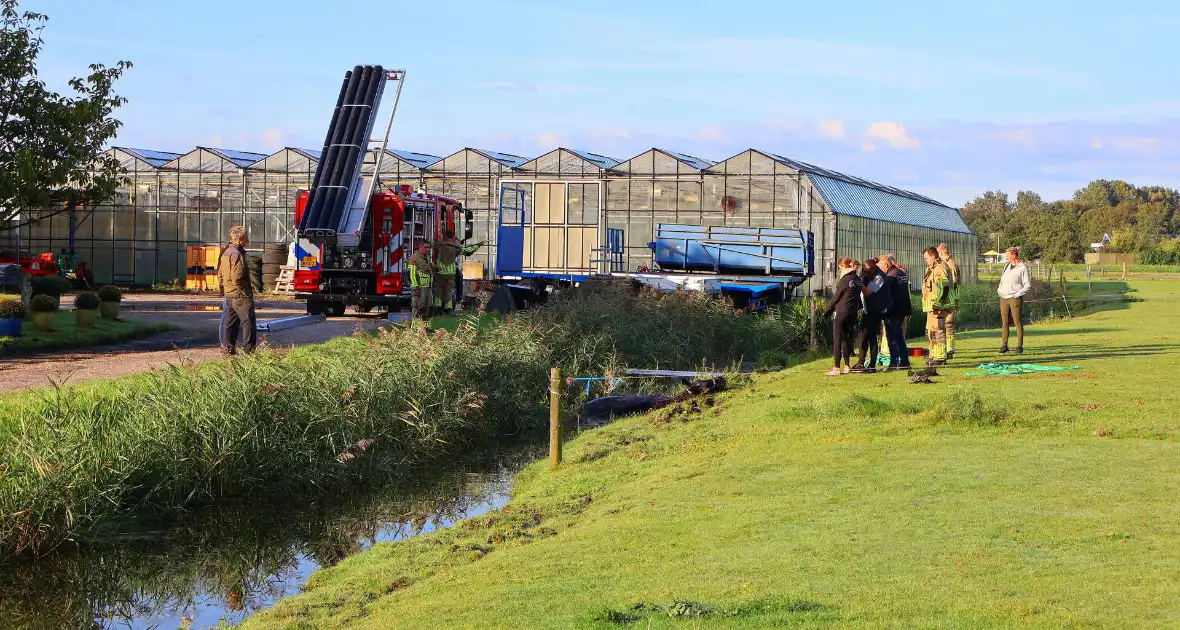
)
(754, 266)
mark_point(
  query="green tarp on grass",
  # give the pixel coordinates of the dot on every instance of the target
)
(1008, 369)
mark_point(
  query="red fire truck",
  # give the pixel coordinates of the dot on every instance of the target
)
(373, 273)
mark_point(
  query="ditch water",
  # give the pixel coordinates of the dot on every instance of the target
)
(233, 561)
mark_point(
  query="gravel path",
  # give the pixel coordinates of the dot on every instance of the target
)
(196, 340)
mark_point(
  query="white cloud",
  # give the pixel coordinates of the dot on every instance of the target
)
(711, 134)
(274, 137)
(833, 128)
(548, 140)
(611, 133)
(1137, 143)
(1020, 137)
(893, 134)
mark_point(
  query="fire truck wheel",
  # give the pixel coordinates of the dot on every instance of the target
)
(334, 309)
(315, 307)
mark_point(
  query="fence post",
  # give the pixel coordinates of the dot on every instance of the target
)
(1124, 270)
(811, 316)
(554, 418)
(1089, 286)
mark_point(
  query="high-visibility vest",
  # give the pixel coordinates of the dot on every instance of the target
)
(421, 274)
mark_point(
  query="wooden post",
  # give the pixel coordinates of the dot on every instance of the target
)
(1124, 270)
(811, 315)
(554, 418)
(1089, 285)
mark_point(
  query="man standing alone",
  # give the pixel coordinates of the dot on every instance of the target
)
(1015, 282)
(899, 311)
(952, 266)
(233, 281)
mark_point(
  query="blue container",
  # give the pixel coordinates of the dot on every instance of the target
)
(10, 327)
(744, 251)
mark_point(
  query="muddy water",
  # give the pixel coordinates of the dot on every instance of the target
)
(226, 564)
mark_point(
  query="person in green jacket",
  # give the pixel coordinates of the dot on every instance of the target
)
(447, 252)
(952, 318)
(421, 270)
(937, 302)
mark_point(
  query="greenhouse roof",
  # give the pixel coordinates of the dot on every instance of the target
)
(847, 197)
(507, 159)
(155, 158)
(240, 158)
(601, 161)
(311, 154)
(421, 160)
(694, 162)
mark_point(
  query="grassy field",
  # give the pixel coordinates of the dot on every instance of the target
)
(67, 335)
(1044, 500)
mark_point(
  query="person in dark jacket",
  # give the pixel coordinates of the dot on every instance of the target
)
(845, 305)
(233, 281)
(877, 298)
(899, 311)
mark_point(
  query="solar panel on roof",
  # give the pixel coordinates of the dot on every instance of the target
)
(507, 159)
(420, 160)
(694, 162)
(601, 161)
(155, 158)
(240, 158)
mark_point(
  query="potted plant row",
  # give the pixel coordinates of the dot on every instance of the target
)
(12, 315)
(109, 297)
(86, 305)
(44, 307)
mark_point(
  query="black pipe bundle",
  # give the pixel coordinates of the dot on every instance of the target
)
(344, 147)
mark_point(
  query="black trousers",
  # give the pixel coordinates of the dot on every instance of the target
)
(842, 339)
(237, 317)
(870, 330)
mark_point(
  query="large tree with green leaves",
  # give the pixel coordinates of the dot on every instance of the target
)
(51, 144)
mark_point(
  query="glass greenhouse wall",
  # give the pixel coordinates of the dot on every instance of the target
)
(172, 201)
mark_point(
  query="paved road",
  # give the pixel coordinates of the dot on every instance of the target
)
(197, 316)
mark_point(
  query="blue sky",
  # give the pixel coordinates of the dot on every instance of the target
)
(943, 99)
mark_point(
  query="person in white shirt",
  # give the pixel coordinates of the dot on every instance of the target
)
(1015, 282)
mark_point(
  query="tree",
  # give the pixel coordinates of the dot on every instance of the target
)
(51, 145)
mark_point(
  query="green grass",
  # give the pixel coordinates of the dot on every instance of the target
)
(67, 335)
(1043, 500)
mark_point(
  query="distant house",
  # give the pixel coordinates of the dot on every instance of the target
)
(991, 257)
(1098, 246)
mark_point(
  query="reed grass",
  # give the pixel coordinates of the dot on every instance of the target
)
(285, 427)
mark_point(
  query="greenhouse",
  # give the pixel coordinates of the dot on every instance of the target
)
(571, 197)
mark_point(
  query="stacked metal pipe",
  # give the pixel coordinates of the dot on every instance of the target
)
(344, 147)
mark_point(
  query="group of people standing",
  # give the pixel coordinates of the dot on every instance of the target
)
(875, 295)
(432, 278)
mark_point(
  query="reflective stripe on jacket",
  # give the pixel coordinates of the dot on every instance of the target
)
(421, 271)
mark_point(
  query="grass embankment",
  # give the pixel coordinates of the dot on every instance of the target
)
(861, 501)
(285, 426)
(67, 335)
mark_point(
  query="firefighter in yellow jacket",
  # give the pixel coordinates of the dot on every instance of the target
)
(447, 252)
(421, 271)
(952, 267)
(937, 302)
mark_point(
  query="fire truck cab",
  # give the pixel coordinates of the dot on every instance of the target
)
(331, 276)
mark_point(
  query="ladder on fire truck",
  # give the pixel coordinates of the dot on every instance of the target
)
(373, 155)
(338, 200)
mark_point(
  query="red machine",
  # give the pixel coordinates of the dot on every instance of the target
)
(373, 272)
(40, 265)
